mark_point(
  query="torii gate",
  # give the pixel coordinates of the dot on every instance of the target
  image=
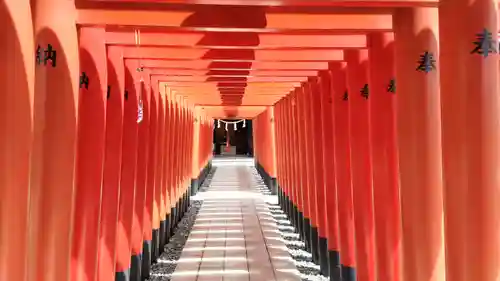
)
(382, 185)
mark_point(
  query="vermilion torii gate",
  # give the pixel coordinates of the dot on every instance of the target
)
(375, 121)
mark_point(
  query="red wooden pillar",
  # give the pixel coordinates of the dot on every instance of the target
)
(292, 157)
(175, 167)
(187, 127)
(182, 150)
(262, 138)
(16, 135)
(313, 183)
(470, 135)
(286, 158)
(128, 176)
(282, 144)
(154, 161)
(299, 160)
(317, 125)
(283, 183)
(343, 171)
(264, 142)
(140, 185)
(55, 129)
(303, 159)
(279, 147)
(195, 120)
(384, 156)
(272, 149)
(292, 178)
(361, 168)
(257, 136)
(151, 223)
(112, 165)
(189, 147)
(158, 205)
(167, 154)
(330, 199)
(172, 156)
(419, 142)
(297, 207)
(198, 145)
(90, 153)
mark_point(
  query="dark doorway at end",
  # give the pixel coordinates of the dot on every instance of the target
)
(241, 138)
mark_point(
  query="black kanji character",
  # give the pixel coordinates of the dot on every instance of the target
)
(346, 95)
(126, 95)
(84, 80)
(484, 44)
(426, 62)
(39, 55)
(49, 54)
(391, 88)
(365, 92)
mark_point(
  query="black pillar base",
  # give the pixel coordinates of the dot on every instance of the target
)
(294, 217)
(135, 267)
(334, 265)
(285, 203)
(273, 186)
(348, 273)
(182, 205)
(307, 234)
(146, 259)
(314, 245)
(163, 236)
(269, 181)
(297, 219)
(176, 215)
(194, 186)
(181, 208)
(173, 213)
(290, 208)
(168, 222)
(155, 245)
(300, 224)
(123, 275)
(323, 256)
(280, 197)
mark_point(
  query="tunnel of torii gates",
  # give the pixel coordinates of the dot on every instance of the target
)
(107, 110)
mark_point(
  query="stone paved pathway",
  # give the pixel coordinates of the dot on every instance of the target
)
(235, 236)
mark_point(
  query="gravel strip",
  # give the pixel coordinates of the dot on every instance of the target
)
(167, 262)
(309, 271)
